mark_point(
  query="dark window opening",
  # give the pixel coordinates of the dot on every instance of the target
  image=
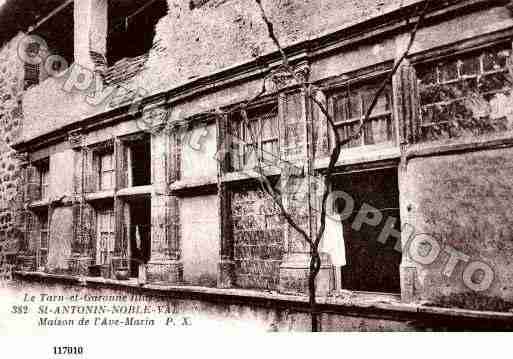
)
(57, 30)
(139, 164)
(371, 266)
(43, 169)
(139, 233)
(132, 27)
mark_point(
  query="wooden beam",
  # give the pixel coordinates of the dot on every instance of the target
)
(49, 16)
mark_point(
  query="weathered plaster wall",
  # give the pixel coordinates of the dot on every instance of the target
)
(199, 42)
(465, 202)
(61, 235)
(200, 239)
(61, 168)
(199, 147)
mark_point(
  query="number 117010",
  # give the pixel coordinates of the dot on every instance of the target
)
(68, 350)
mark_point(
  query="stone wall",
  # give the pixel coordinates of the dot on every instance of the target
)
(257, 239)
(11, 91)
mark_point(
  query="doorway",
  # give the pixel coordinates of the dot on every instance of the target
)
(139, 233)
(371, 266)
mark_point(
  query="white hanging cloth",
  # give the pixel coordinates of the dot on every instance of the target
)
(333, 241)
(137, 237)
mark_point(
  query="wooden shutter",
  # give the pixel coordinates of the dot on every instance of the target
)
(121, 164)
(33, 184)
(31, 227)
(77, 226)
(31, 75)
(88, 171)
(406, 102)
(119, 223)
(89, 228)
(320, 127)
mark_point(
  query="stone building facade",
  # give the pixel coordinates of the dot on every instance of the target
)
(135, 156)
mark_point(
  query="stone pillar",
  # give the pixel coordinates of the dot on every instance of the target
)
(296, 146)
(164, 264)
(407, 115)
(90, 33)
(226, 267)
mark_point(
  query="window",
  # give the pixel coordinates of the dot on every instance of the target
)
(139, 163)
(349, 108)
(55, 24)
(258, 138)
(458, 92)
(105, 247)
(132, 27)
(44, 179)
(106, 171)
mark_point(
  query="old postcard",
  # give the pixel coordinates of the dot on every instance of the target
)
(170, 167)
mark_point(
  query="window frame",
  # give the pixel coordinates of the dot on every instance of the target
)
(458, 58)
(360, 88)
(102, 171)
(244, 147)
(43, 171)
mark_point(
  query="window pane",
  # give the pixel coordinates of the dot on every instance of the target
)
(347, 130)
(379, 130)
(470, 66)
(382, 104)
(270, 151)
(448, 71)
(106, 162)
(495, 60)
(106, 180)
(44, 240)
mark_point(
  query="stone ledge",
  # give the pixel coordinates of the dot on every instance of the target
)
(360, 304)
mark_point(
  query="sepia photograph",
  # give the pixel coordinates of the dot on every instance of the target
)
(170, 167)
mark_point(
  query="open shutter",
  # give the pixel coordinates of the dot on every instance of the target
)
(88, 171)
(320, 127)
(32, 227)
(89, 229)
(77, 227)
(119, 228)
(33, 184)
(406, 102)
(121, 165)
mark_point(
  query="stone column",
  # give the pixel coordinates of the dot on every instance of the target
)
(296, 146)
(164, 264)
(407, 115)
